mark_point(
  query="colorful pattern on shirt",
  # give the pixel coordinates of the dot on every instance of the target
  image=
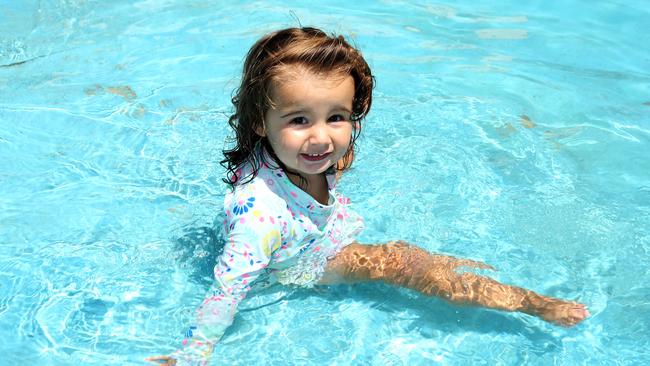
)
(274, 229)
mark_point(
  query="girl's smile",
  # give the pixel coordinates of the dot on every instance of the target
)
(314, 157)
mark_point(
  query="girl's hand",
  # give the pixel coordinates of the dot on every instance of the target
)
(162, 360)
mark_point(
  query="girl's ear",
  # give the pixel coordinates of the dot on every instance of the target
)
(260, 130)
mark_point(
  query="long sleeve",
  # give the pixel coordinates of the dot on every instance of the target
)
(252, 235)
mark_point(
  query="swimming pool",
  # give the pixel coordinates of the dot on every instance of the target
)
(514, 134)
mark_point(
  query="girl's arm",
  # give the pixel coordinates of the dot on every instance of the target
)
(250, 241)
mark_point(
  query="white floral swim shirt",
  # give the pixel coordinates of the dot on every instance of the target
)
(274, 232)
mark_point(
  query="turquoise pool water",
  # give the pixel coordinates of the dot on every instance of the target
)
(516, 134)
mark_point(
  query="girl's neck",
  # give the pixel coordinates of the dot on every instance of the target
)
(315, 186)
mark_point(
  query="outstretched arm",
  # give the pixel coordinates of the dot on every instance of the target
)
(213, 317)
(246, 254)
(405, 265)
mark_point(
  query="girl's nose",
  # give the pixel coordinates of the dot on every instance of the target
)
(319, 134)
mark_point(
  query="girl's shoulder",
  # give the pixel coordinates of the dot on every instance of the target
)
(254, 195)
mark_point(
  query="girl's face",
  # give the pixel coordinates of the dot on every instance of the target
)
(309, 125)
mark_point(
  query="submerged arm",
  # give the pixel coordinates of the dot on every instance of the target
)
(247, 251)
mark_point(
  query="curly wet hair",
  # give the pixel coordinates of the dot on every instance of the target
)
(306, 47)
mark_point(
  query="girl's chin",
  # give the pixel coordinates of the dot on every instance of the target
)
(313, 169)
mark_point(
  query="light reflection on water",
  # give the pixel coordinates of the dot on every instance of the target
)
(505, 133)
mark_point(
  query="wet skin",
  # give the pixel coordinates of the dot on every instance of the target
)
(401, 264)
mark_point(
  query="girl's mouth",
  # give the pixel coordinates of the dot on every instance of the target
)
(314, 157)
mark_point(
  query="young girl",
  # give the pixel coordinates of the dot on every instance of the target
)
(297, 115)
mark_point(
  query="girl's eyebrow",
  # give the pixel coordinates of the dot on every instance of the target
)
(342, 108)
(300, 111)
(303, 111)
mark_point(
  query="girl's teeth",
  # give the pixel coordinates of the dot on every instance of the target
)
(315, 157)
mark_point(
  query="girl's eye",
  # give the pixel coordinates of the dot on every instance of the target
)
(299, 120)
(337, 118)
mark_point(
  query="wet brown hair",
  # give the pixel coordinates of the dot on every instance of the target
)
(267, 59)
